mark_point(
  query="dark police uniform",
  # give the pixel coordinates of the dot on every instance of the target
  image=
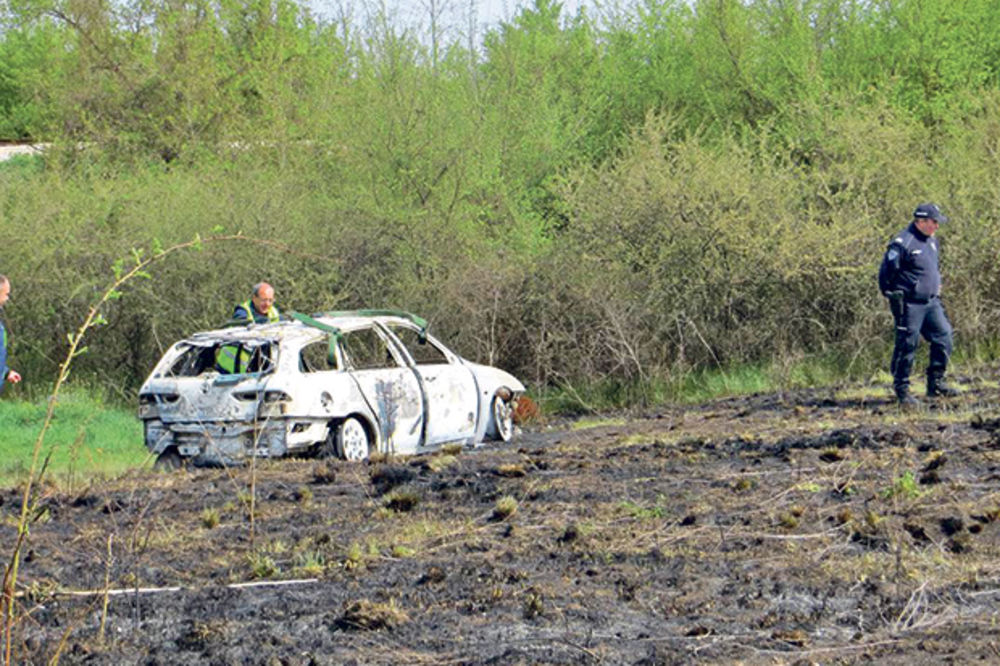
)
(909, 276)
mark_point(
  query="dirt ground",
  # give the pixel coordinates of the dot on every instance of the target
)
(815, 527)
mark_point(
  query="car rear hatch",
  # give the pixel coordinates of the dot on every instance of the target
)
(214, 381)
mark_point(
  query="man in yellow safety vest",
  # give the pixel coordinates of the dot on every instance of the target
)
(260, 308)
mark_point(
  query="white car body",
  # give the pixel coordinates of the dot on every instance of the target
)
(347, 384)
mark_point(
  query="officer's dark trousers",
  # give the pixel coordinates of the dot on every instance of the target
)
(927, 319)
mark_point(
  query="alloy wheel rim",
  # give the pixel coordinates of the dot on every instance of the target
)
(355, 441)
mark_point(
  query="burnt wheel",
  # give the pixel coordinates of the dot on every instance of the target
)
(168, 461)
(352, 440)
(503, 418)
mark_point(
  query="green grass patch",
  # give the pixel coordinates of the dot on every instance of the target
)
(588, 423)
(708, 384)
(643, 512)
(853, 378)
(808, 372)
(87, 439)
(904, 486)
(701, 385)
(22, 165)
(865, 392)
(981, 353)
(583, 398)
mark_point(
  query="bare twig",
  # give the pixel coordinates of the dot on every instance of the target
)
(107, 587)
(35, 473)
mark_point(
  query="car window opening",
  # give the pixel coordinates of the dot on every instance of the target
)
(232, 357)
(422, 349)
(315, 357)
(366, 350)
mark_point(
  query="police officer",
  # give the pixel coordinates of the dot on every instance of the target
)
(909, 277)
(6, 374)
(260, 308)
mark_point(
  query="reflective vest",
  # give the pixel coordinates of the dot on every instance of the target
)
(232, 359)
(272, 314)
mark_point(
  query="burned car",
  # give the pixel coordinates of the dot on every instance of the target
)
(345, 384)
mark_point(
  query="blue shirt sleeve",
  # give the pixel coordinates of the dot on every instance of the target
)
(3, 354)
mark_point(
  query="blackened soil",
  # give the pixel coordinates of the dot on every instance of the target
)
(801, 528)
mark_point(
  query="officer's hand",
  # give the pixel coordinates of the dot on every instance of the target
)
(13, 376)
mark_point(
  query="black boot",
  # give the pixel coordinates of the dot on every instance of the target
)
(905, 399)
(937, 388)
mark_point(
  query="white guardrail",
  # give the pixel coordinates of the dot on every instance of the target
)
(8, 150)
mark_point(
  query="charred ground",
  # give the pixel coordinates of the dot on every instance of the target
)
(816, 526)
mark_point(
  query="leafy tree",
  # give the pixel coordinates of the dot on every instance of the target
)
(28, 57)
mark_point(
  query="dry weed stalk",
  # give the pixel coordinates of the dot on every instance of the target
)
(917, 614)
(107, 587)
(35, 473)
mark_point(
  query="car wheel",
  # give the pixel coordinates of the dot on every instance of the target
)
(168, 461)
(503, 418)
(352, 440)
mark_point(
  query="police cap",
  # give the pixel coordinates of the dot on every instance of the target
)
(928, 211)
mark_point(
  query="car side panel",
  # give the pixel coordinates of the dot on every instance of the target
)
(448, 385)
(394, 397)
(452, 403)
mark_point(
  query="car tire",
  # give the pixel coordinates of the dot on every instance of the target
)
(353, 442)
(168, 461)
(503, 419)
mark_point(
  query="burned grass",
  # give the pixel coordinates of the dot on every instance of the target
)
(770, 529)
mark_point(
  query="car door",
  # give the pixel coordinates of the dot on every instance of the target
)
(449, 387)
(390, 387)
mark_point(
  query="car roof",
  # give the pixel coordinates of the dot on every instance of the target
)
(307, 328)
